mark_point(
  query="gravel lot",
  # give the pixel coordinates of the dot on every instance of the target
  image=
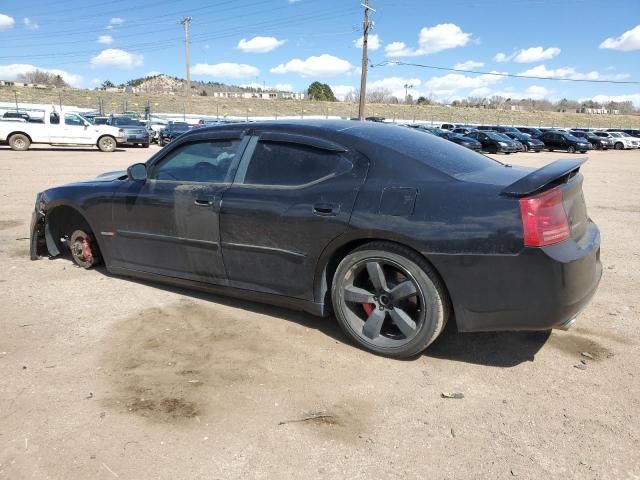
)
(104, 377)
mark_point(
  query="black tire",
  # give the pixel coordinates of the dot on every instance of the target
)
(618, 146)
(85, 255)
(583, 151)
(107, 143)
(397, 327)
(507, 153)
(19, 142)
(550, 149)
(571, 149)
(145, 145)
(525, 147)
(161, 142)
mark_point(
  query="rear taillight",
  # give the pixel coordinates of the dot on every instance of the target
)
(544, 219)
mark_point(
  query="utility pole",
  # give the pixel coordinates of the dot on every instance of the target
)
(363, 77)
(186, 23)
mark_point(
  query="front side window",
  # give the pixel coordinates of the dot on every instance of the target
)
(208, 162)
(74, 120)
(286, 164)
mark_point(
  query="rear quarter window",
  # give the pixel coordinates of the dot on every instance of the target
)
(435, 152)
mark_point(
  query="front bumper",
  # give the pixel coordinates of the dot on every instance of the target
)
(134, 139)
(538, 289)
(535, 147)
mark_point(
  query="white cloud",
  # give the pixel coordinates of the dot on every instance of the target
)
(116, 58)
(395, 85)
(225, 70)
(536, 54)
(30, 24)
(259, 44)
(570, 72)
(152, 73)
(628, 41)
(105, 39)
(457, 81)
(632, 97)
(373, 43)
(431, 40)
(469, 65)
(10, 72)
(529, 55)
(109, 27)
(116, 21)
(6, 22)
(341, 91)
(294, 1)
(324, 65)
(480, 92)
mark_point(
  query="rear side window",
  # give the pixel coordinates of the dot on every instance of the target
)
(289, 164)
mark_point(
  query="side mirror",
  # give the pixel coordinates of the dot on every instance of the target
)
(137, 172)
(86, 124)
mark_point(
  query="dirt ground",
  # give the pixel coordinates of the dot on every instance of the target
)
(104, 377)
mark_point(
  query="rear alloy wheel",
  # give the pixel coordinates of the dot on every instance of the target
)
(84, 249)
(107, 144)
(525, 147)
(389, 300)
(19, 142)
(571, 149)
(619, 146)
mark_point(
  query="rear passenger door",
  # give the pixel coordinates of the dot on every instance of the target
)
(292, 195)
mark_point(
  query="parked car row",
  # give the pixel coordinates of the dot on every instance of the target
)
(507, 140)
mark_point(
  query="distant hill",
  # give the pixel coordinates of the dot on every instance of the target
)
(166, 84)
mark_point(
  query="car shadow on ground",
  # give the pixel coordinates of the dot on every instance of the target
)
(494, 349)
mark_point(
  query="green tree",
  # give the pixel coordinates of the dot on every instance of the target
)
(321, 91)
(107, 84)
(422, 101)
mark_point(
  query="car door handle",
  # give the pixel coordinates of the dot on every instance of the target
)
(326, 209)
(203, 203)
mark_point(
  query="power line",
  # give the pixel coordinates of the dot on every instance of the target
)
(499, 74)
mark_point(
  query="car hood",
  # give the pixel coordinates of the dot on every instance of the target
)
(109, 176)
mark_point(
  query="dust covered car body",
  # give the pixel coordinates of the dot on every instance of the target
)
(394, 231)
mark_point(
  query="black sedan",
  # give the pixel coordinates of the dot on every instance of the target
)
(171, 132)
(394, 231)
(558, 140)
(494, 142)
(528, 143)
(598, 143)
(468, 142)
(534, 132)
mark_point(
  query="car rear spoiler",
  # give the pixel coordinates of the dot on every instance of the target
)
(556, 172)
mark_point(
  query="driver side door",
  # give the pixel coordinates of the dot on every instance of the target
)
(75, 129)
(169, 224)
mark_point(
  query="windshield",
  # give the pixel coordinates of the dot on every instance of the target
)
(518, 135)
(497, 136)
(121, 121)
(179, 127)
(572, 138)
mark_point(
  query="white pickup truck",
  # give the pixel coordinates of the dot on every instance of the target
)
(59, 128)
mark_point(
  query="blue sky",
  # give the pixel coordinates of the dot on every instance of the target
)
(290, 43)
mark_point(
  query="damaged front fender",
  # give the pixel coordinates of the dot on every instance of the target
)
(42, 241)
